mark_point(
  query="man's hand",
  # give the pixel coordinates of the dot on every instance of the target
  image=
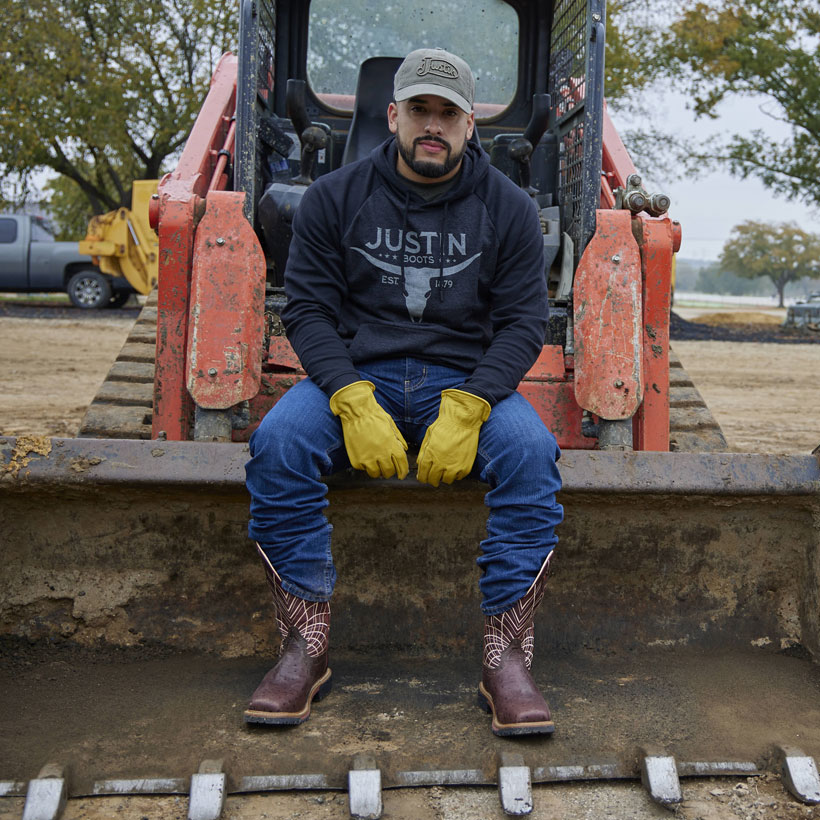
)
(449, 448)
(372, 440)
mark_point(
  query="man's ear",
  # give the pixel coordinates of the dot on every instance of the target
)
(470, 124)
(392, 117)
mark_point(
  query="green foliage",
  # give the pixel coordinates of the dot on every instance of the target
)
(632, 40)
(98, 94)
(101, 93)
(711, 279)
(783, 252)
(68, 208)
(767, 50)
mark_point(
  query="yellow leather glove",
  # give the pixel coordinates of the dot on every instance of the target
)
(372, 440)
(449, 447)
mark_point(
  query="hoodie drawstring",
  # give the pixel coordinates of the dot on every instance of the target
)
(441, 252)
(403, 238)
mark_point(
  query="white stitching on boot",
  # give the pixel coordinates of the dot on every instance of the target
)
(310, 618)
(516, 623)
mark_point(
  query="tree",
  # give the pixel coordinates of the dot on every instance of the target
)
(101, 93)
(768, 50)
(783, 252)
(633, 37)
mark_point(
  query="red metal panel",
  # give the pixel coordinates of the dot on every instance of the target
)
(198, 160)
(556, 405)
(548, 386)
(651, 425)
(549, 364)
(273, 387)
(172, 405)
(227, 309)
(281, 355)
(608, 335)
(176, 210)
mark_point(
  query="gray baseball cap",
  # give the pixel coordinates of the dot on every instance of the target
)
(435, 71)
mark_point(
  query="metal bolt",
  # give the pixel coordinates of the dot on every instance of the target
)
(619, 383)
(220, 241)
(616, 260)
(212, 371)
(633, 179)
(596, 17)
(635, 201)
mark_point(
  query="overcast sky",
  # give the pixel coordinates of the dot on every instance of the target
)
(708, 208)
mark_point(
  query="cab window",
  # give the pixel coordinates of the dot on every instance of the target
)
(343, 35)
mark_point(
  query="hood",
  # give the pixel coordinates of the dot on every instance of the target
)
(475, 165)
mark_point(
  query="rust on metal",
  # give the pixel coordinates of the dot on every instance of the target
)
(651, 423)
(281, 355)
(608, 312)
(180, 206)
(226, 322)
(25, 449)
(549, 364)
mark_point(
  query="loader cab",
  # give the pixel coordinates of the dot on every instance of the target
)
(315, 80)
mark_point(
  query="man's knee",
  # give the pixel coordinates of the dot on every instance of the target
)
(520, 430)
(300, 417)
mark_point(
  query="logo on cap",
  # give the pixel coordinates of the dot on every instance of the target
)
(431, 65)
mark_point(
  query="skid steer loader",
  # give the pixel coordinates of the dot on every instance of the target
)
(681, 630)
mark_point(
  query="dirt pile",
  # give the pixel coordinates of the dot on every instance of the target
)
(739, 327)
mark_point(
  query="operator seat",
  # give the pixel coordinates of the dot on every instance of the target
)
(374, 91)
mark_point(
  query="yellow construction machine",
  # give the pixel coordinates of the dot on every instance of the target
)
(122, 243)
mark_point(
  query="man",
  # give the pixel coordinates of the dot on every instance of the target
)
(416, 303)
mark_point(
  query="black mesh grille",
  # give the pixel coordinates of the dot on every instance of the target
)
(257, 32)
(568, 51)
(576, 93)
(267, 35)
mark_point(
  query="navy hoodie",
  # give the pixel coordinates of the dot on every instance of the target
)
(375, 272)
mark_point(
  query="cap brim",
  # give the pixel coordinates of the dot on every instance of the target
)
(438, 90)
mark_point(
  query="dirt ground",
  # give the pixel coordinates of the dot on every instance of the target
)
(764, 395)
(51, 370)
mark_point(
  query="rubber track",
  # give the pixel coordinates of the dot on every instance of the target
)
(122, 406)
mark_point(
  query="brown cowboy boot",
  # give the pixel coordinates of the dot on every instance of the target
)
(507, 689)
(302, 674)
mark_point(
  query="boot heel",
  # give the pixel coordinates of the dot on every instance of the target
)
(323, 690)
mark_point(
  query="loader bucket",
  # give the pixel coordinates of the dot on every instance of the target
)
(682, 616)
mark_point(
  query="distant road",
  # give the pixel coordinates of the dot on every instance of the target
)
(45, 310)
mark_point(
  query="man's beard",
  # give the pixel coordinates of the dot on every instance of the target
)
(428, 168)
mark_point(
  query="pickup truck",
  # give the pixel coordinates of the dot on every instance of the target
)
(805, 312)
(32, 261)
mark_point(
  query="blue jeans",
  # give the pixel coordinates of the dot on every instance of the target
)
(300, 440)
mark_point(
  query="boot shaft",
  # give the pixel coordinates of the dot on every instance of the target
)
(309, 620)
(515, 626)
